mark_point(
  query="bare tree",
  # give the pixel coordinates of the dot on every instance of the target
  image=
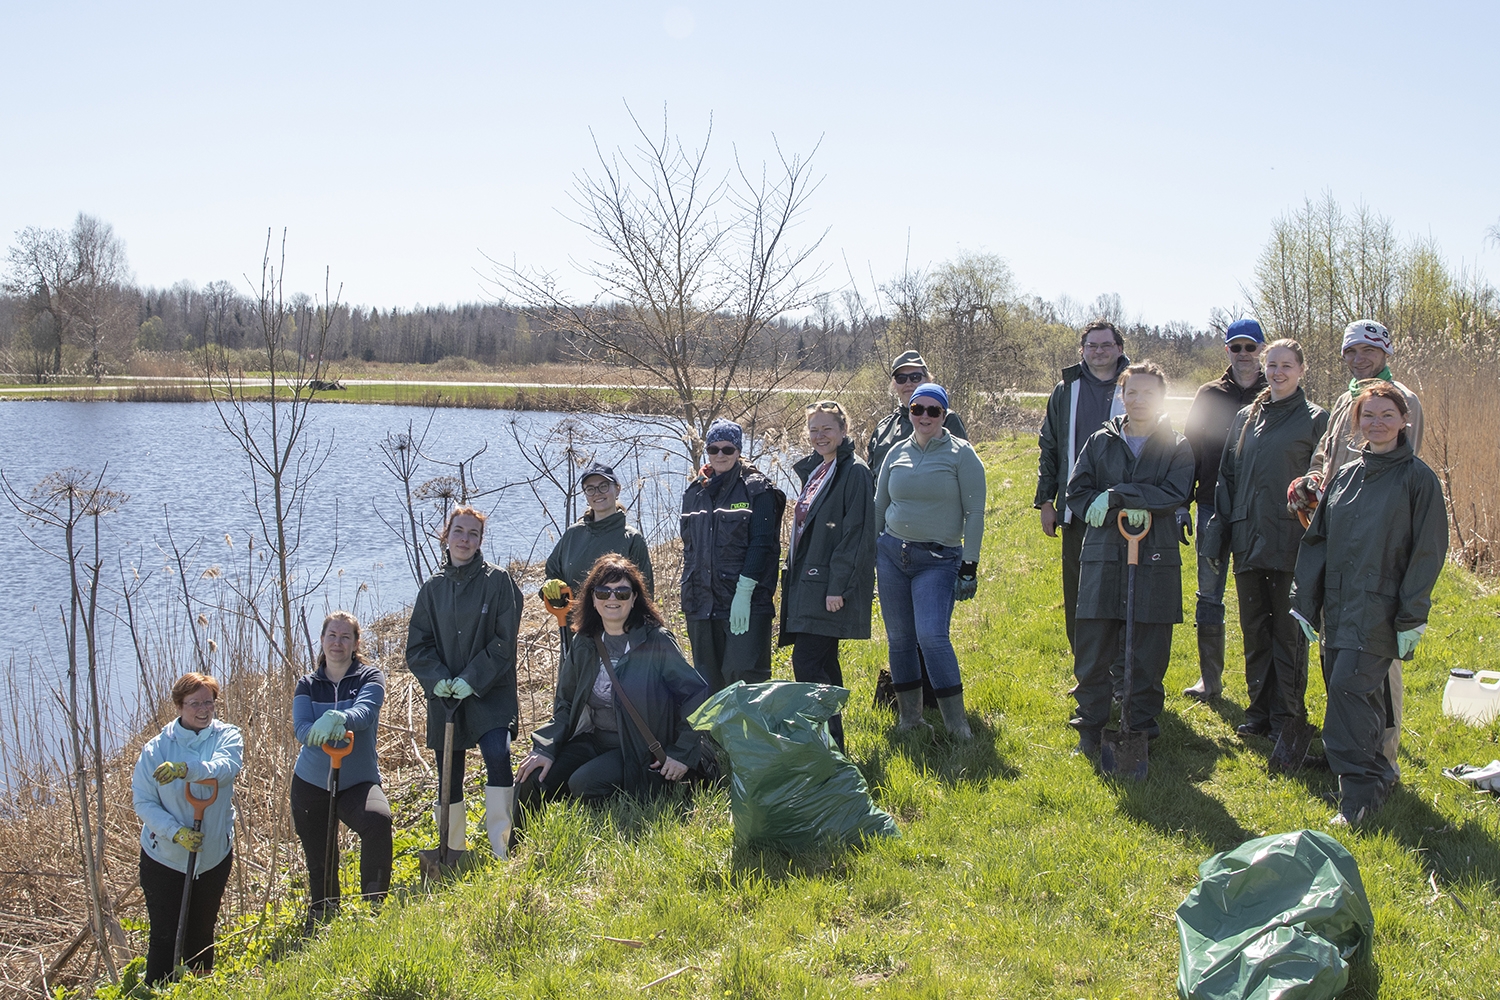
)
(695, 267)
(270, 424)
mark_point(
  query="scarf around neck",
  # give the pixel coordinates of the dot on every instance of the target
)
(1384, 374)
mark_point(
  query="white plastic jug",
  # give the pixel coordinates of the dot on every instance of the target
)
(1473, 696)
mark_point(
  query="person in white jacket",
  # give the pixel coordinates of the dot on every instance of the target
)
(194, 747)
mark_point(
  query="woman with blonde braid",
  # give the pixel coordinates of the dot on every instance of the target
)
(1269, 445)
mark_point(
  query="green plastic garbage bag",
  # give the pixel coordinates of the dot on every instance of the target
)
(1278, 918)
(788, 786)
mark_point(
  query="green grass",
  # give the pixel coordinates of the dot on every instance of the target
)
(1020, 873)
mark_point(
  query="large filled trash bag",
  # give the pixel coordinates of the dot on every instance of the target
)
(1278, 918)
(788, 786)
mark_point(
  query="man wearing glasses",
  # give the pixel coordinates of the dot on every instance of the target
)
(907, 372)
(1084, 401)
(1208, 422)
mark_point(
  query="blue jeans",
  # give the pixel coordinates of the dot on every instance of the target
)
(494, 747)
(916, 600)
(1210, 609)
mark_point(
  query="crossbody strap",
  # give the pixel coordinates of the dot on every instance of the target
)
(652, 742)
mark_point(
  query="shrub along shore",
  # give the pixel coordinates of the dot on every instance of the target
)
(1020, 873)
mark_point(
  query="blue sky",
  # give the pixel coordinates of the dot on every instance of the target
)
(1135, 148)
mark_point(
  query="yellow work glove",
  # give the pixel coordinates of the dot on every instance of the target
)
(188, 838)
(552, 590)
(169, 772)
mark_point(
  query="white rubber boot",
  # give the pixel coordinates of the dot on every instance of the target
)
(499, 818)
(458, 821)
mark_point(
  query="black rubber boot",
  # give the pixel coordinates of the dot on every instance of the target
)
(1210, 664)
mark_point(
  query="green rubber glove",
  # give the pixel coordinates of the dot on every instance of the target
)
(1407, 641)
(443, 689)
(739, 608)
(1098, 510)
(1136, 517)
(460, 689)
(552, 590)
(188, 838)
(169, 772)
(1309, 631)
(328, 729)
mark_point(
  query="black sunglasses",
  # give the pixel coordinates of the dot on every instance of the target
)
(618, 593)
(927, 411)
(1247, 348)
(717, 449)
(909, 377)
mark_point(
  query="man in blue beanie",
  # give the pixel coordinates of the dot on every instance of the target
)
(1208, 422)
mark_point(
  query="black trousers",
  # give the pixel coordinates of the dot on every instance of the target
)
(1097, 649)
(723, 658)
(364, 809)
(815, 660)
(590, 766)
(1275, 649)
(1072, 553)
(1359, 710)
(163, 889)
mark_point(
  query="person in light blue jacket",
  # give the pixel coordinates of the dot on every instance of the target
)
(194, 747)
(343, 695)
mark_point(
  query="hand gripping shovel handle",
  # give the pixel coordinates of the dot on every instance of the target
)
(336, 757)
(559, 611)
(199, 807)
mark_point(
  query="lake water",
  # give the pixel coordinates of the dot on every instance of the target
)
(179, 458)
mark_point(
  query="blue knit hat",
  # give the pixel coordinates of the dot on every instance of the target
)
(932, 391)
(726, 430)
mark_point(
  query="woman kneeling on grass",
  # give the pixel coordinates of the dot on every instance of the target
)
(593, 747)
(193, 748)
(1365, 570)
(343, 695)
(1138, 464)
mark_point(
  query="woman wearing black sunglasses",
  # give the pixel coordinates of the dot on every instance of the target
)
(592, 747)
(731, 547)
(907, 372)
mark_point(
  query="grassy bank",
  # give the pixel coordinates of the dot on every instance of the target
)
(1020, 873)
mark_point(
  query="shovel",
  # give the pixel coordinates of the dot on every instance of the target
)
(199, 805)
(435, 864)
(331, 845)
(559, 611)
(1124, 751)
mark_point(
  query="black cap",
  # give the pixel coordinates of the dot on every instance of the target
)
(600, 469)
(908, 359)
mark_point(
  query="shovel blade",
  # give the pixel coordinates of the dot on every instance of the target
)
(1291, 746)
(1124, 754)
(435, 866)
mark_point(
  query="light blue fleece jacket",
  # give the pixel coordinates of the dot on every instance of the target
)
(216, 752)
(933, 494)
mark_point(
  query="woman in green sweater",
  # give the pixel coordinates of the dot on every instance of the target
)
(929, 505)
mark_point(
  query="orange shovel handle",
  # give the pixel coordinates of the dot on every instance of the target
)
(1134, 556)
(339, 753)
(560, 611)
(200, 806)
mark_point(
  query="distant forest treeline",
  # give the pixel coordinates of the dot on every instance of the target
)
(70, 309)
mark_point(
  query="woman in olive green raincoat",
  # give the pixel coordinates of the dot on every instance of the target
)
(1365, 573)
(1138, 464)
(462, 644)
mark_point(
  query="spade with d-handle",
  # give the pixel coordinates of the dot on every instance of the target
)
(435, 863)
(1296, 734)
(336, 757)
(1124, 750)
(199, 805)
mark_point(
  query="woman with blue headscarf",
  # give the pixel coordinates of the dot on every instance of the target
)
(929, 506)
(731, 549)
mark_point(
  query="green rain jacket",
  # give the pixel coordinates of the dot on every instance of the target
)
(660, 683)
(1250, 513)
(465, 624)
(589, 538)
(835, 555)
(1373, 552)
(1159, 481)
(896, 427)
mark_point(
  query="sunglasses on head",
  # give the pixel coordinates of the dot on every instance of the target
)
(721, 449)
(618, 593)
(1249, 348)
(917, 377)
(927, 411)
